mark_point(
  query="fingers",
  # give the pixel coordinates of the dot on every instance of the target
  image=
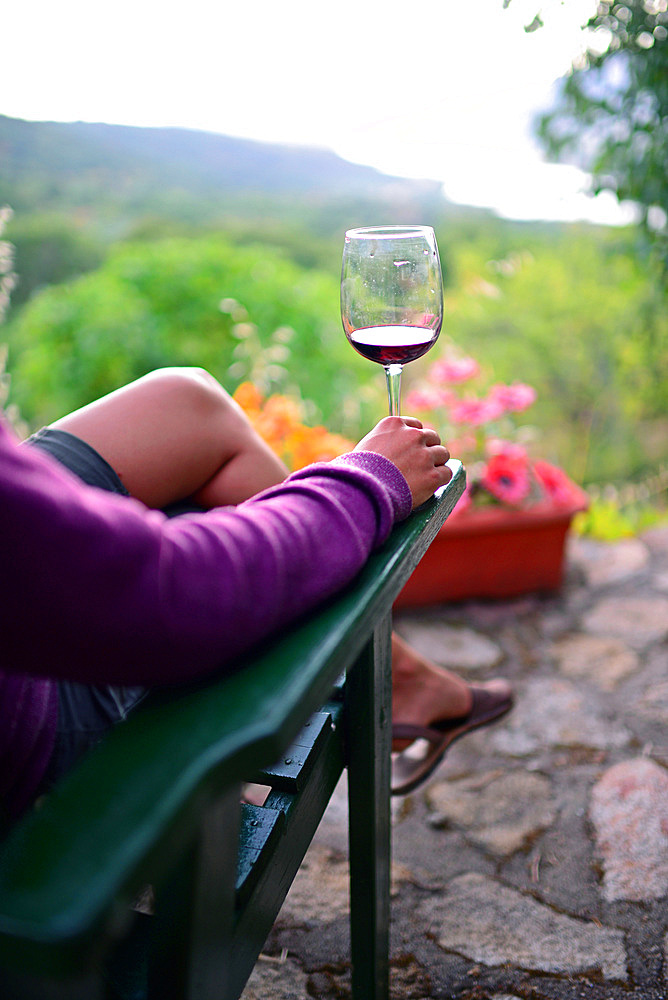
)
(446, 473)
(440, 455)
(416, 450)
(390, 422)
(428, 437)
(431, 439)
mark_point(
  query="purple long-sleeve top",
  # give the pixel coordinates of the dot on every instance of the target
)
(96, 588)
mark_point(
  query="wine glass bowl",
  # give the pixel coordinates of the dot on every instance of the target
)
(391, 297)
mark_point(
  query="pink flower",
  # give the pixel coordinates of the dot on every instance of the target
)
(427, 398)
(507, 478)
(474, 411)
(454, 370)
(555, 483)
(463, 444)
(513, 398)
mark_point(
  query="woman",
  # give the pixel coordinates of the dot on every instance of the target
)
(104, 595)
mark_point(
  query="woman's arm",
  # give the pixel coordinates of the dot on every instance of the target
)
(97, 588)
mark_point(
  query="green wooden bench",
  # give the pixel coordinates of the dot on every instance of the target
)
(159, 803)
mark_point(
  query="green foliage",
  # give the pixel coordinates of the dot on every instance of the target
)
(565, 315)
(49, 249)
(608, 521)
(7, 275)
(612, 113)
(612, 119)
(237, 311)
(7, 280)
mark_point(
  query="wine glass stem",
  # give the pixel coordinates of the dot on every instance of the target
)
(393, 376)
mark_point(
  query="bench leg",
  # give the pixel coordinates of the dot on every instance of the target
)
(196, 912)
(368, 742)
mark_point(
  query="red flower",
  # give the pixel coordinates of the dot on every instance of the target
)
(555, 483)
(506, 477)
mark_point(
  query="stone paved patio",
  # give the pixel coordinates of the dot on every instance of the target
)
(535, 862)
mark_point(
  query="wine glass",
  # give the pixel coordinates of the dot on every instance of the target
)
(391, 297)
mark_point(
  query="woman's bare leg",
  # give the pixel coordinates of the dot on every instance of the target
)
(176, 433)
(423, 692)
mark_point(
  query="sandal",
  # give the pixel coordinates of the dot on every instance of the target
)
(490, 702)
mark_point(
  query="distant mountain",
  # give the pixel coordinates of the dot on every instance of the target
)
(52, 166)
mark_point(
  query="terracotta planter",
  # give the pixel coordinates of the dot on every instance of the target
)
(493, 553)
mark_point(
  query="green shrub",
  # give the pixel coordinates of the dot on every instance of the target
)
(240, 312)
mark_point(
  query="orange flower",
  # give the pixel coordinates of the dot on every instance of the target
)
(248, 397)
(318, 445)
(281, 416)
(279, 421)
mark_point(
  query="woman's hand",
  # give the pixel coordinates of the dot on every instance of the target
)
(415, 450)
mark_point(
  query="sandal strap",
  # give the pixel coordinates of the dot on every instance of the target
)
(407, 731)
(486, 706)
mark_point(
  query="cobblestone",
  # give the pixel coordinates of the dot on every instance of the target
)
(629, 810)
(639, 621)
(500, 811)
(487, 922)
(604, 564)
(455, 648)
(555, 713)
(604, 661)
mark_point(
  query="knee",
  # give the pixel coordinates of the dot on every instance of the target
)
(195, 393)
(181, 376)
(193, 389)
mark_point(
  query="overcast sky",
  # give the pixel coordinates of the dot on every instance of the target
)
(441, 89)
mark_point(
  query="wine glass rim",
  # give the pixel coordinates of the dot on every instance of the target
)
(388, 232)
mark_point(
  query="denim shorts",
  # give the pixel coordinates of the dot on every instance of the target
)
(85, 711)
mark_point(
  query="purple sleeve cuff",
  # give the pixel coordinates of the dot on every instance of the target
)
(385, 470)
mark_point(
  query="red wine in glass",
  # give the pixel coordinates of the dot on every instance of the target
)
(393, 345)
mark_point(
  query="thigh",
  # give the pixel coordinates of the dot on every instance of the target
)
(170, 433)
